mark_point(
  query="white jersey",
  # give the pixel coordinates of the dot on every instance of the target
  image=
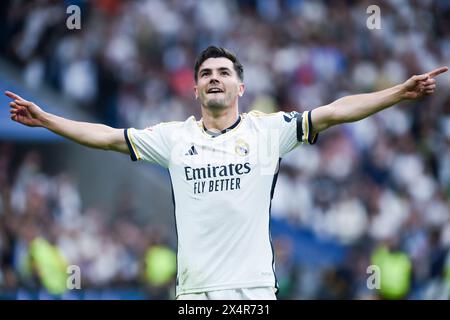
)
(222, 188)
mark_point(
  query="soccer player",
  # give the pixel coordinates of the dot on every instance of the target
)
(223, 169)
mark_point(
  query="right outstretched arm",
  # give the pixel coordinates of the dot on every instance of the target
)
(89, 134)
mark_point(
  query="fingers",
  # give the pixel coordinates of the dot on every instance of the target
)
(17, 107)
(429, 75)
(19, 116)
(18, 103)
(437, 72)
(13, 96)
(17, 110)
(420, 77)
(18, 100)
(429, 82)
(425, 83)
(429, 87)
(13, 105)
(14, 116)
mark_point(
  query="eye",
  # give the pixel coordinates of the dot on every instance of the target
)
(225, 73)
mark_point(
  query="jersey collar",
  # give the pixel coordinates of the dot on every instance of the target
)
(216, 134)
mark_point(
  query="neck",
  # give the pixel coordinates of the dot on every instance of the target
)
(218, 120)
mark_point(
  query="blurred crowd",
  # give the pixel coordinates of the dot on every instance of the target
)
(113, 250)
(379, 187)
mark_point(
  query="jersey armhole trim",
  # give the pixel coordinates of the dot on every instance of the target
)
(312, 139)
(305, 128)
(134, 155)
(299, 128)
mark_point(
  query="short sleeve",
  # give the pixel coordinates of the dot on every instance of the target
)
(149, 144)
(296, 128)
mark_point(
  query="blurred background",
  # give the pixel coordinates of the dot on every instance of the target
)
(372, 192)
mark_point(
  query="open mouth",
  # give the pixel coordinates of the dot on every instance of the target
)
(214, 90)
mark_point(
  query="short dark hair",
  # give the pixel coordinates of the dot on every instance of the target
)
(218, 52)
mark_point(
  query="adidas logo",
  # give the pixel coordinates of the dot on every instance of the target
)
(191, 151)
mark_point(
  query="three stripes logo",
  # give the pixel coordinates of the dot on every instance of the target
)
(192, 151)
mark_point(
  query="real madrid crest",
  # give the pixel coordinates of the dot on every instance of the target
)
(242, 148)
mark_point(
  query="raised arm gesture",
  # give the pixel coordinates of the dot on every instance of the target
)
(91, 135)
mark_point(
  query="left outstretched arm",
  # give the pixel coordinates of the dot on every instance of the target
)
(356, 107)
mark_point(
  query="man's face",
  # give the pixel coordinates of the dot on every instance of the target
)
(218, 85)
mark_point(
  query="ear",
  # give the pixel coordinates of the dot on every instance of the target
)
(241, 89)
(196, 92)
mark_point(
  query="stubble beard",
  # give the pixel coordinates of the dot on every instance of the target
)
(217, 103)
